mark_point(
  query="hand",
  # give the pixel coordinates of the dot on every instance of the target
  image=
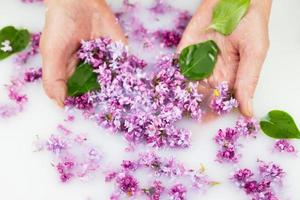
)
(67, 23)
(242, 53)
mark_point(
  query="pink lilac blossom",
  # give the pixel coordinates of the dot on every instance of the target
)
(247, 126)
(168, 38)
(227, 142)
(160, 168)
(162, 39)
(127, 183)
(160, 7)
(284, 146)
(155, 191)
(137, 105)
(18, 99)
(22, 77)
(222, 101)
(32, 75)
(64, 146)
(178, 192)
(260, 186)
(228, 139)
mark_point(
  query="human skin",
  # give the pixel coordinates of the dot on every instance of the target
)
(240, 61)
(242, 53)
(67, 23)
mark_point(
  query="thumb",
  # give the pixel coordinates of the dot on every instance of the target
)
(247, 78)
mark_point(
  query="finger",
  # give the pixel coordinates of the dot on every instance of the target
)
(196, 31)
(55, 62)
(54, 70)
(247, 78)
(107, 25)
(57, 47)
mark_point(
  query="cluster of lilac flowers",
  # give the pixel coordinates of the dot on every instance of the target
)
(23, 76)
(228, 139)
(223, 101)
(284, 146)
(128, 185)
(162, 39)
(260, 186)
(64, 147)
(32, 75)
(143, 107)
(17, 99)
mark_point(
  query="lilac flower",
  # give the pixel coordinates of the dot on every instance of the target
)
(178, 192)
(155, 191)
(64, 170)
(32, 75)
(271, 172)
(141, 108)
(56, 144)
(14, 92)
(81, 102)
(227, 141)
(242, 176)
(160, 168)
(6, 46)
(247, 127)
(110, 176)
(260, 186)
(64, 147)
(168, 39)
(229, 136)
(284, 146)
(127, 183)
(62, 129)
(128, 165)
(182, 21)
(223, 101)
(228, 154)
(160, 7)
(200, 180)
(7, 111)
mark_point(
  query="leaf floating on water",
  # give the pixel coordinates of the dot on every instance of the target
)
(280, 125)
(16, 39)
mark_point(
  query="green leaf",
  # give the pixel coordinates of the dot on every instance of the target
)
(83, 80)
(227, 15)
(280, 125)
(19, 40)
(198, 61)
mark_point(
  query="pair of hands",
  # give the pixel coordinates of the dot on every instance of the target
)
(242, 53)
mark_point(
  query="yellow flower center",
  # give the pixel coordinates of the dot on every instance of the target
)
(216, 93)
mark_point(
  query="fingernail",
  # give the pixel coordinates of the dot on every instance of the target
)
(60, 93)
(61, 99)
